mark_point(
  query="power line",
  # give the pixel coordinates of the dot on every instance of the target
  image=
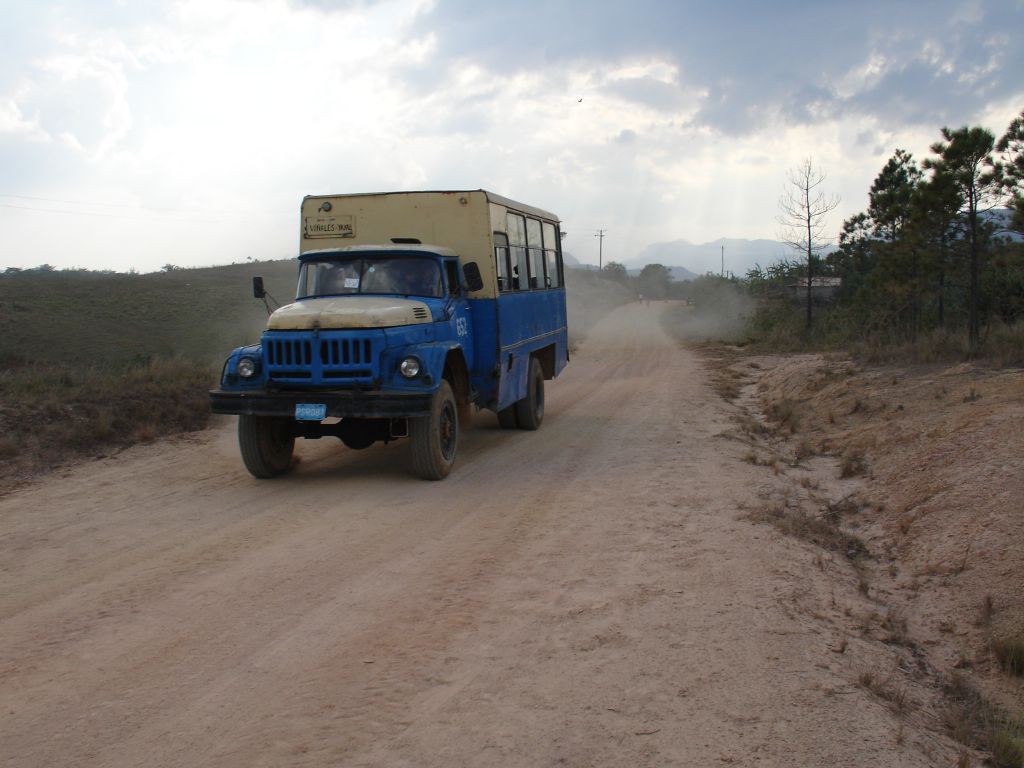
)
(600, 247)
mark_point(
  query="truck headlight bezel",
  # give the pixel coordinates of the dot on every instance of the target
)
(246, 367)
(410, 367)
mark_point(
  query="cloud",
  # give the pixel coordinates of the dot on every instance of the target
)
(231, 110)
(759, 61)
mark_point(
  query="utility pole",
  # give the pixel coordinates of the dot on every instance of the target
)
(600, 248)
(723, 261)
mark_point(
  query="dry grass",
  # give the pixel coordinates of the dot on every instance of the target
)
(784, 413)
(51, 414)
(923, 533)
(794, 522)
(753, 457)
(853, 464)
(973, 720)
(1007, 746)
(1009, 652)
(848, 505)
(895, 623)
(972, 396)
(886, 689)
(750, 425)
(804, 450)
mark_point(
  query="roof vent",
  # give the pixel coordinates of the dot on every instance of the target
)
(406, 241)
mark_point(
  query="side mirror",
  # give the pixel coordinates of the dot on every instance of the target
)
(258, 291)
(472, 274)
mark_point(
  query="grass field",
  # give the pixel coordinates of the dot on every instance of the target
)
(87, 318)
(90, 361)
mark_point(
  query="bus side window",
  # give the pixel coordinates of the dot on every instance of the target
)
(520, 270)
(516, 227)
(551, 255)
(536, 254)
(501, 261)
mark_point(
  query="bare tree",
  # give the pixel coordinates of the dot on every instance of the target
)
(803, 207)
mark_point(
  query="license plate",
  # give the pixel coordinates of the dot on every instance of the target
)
(310, 411)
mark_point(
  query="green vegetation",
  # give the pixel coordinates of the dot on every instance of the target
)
(931, 270)
(110, 319)
(93, 361)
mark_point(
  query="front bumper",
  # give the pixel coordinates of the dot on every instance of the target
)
(363, 405)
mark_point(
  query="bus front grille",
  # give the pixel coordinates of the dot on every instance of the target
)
(309, 360)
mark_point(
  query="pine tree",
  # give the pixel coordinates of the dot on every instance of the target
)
(966, 158)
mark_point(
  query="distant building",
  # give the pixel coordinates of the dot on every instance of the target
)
(823, 289)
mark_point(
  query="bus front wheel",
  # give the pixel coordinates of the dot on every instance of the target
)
(435, 437)
(267, 444)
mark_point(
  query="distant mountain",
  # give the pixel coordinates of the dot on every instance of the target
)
(688, 260)
(678, 273)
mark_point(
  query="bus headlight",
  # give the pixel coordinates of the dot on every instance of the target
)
(246, 367)
(410, 367)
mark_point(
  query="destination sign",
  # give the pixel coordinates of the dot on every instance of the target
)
(326, 225)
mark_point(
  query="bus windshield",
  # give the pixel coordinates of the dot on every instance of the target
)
(408, 276)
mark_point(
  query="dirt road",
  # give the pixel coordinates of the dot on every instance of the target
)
(589, 594)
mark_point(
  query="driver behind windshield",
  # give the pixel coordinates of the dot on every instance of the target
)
(419, 277)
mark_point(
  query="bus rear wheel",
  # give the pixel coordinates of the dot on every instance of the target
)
(267, 444)
(435, 438)
(530, 410)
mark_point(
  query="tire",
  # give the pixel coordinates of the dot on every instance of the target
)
(530, 410)
(435, 438)
(267, 444)
(507, 417)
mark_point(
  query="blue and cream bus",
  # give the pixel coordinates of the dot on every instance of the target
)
(412, 308)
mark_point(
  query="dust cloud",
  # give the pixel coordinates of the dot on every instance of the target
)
(589, 297)
(714, 312)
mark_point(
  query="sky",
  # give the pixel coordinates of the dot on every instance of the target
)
(138, 133)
